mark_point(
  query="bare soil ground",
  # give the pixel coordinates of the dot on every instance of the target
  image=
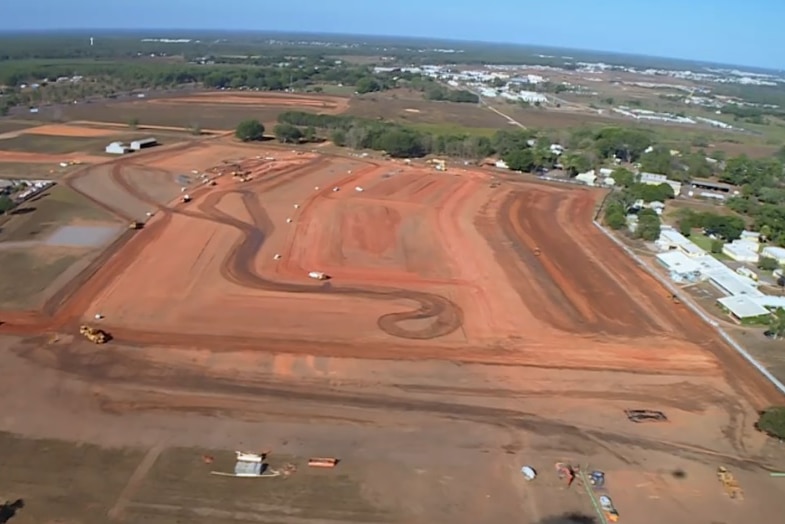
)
(69, 130)
(511, 331)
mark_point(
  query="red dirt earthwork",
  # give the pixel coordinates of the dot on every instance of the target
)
(423, 264)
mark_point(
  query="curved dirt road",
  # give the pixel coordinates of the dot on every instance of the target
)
(445, 316)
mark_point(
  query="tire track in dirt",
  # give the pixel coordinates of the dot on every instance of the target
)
(239, 265)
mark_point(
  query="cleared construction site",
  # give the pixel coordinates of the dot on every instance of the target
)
(437, 324)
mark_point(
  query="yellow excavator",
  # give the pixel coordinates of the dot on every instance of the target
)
(94, 335)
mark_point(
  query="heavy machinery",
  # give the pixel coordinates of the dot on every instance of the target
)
(611, 515)
(94, 335)
(440, 165)
(729, 483)
(186, 198)
(318, 275)
(135, 225)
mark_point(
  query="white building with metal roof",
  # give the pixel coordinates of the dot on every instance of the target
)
(777, 253)
(742, 251)
(684, 259)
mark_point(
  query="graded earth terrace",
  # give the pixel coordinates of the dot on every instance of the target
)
(473, 321)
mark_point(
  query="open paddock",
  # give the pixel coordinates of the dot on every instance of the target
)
(8, 126)
(409, 107)
(202, 110)
(322, 103)
(69, 131)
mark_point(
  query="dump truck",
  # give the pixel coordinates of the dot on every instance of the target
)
(94, 335)
(318, 275)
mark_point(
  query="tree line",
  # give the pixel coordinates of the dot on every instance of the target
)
(108, 79)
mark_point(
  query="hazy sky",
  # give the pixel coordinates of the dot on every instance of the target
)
(745, 32)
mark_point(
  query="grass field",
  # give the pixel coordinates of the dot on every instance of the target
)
(28, 272)
(57, 145)
(38, 217)
(63, 482)
(409, 107)
(180, 485)
(187, 116)
(8, 126)
(38, 170)
(67, 482)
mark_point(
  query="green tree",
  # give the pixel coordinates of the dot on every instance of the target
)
(367, 85)
(249, 130)
(659, 160)
(685, 227)
(765, 232)
(576, 163)
(287, 133)
(716, 246)
(6, 204)
(615, 219)
(520, 160)
(623, 177)
(648, 225)
(767, 264)
(338, 137)
(772, 422)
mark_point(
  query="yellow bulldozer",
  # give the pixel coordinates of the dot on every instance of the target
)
(729, 483)
(94, 335)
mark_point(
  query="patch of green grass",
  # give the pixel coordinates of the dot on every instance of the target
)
(704, 242)
(63, 481)
(335, 90)
(453, 129)
(56, 207)
(55, 145)
(180, 485)
(8, 126)
(35, 171)
(27, 274)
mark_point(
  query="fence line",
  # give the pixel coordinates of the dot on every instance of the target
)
(698, 311)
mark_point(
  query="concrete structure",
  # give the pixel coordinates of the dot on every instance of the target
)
(680, 267)
(588, 178)
(742, 251)
(684, 259)
(708, 185)
(777, 253)
(117, 148)
(653, 179)
(671, 239)
(136, 145)
(743, 307)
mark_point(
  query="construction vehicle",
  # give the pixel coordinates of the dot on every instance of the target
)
(94, 335)
(611, 515)
(186, 198)
(135, 225)
(318, 275)
(729, 483)
(440, 165)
